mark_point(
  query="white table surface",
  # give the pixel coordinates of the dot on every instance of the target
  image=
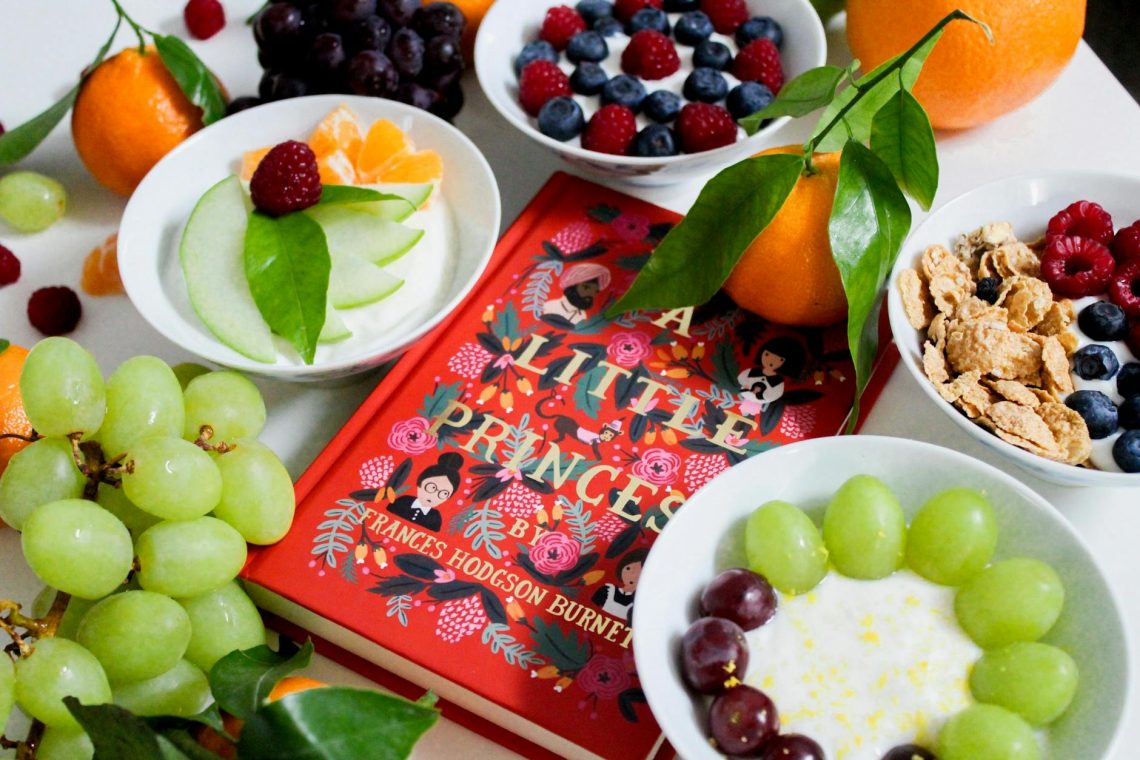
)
(1086, 120)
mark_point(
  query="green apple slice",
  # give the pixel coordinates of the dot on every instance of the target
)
(335, 330)
(351, 232)
(211, 257)
(355, 282)
(397, 211)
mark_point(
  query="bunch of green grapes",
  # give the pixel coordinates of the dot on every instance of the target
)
(148, 543)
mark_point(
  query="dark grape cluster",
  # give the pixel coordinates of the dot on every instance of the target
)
(403, 50)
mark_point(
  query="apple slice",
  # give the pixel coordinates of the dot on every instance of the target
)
(355, 282)
(397, 211)
(335, 330)
(351, 232)
(211, 257)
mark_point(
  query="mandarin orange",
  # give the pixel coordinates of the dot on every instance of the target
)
(13, 420)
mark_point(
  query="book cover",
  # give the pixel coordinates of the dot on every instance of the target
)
(483, 518)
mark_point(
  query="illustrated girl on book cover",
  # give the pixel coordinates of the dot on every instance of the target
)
(617, 599)
(763, 384)
(580, 285)
(435, 485)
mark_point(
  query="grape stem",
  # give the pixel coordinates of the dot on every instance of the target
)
(205, 433)
(90, 460)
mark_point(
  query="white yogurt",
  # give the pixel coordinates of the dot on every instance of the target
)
(864, 666)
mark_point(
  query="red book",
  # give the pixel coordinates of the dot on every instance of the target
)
(479, 525)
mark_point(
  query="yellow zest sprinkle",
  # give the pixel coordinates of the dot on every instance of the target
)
(768, 682)
(871, 637)
(732, 681)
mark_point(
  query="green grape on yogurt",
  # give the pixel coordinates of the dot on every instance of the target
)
(864, 529)
(143, 399)
(171, 478)
(222, 621)
(115, 501)
(1012, 600)
(64, 744)
(78, 547)
(41, 472)
(1037, 681)
(952, 537)
(987, 732)
(30, 201)
(62, 389)
(226, 401)
(189, 557)
(182, 690)
(783, 545)
(59, 668)
(257, 492)
(7, 688)
(135, 635)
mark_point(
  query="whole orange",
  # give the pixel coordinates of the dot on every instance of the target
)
(216, 743)
(13, 420)
(130, 113)
(966, 80)
(473, 11)
(787, 275)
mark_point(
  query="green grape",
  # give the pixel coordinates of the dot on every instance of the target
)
(187, 371)
(115, 501)
(1009, 601)
(1034, 680)
(257, 492)
(59, 668)
(76, 546)
(7, 688)
(222, 621)
(182, 690)
(73, 615)
(226, 401)
(189, 558)
(952, 537)
(135, 635)
(62, 744)
(143, 399)
(31, 202)
(42, 472)
(783, 545)
(987, 732)
(864, 529)
(172, 478)
(62, 388)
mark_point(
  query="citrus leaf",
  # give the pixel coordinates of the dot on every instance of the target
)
(813, 89)
(115, 732)
(870, 219)
(336, 195)
(4, 343)
(689, 266)
(287, 264)
(241, 681)
(195, 80)
(902, 136)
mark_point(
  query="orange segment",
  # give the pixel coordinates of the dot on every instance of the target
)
(101, 269)
(337, 131)
(249, 161)
(385, 141)
(13, 420)
(422, 166)
(336, 169)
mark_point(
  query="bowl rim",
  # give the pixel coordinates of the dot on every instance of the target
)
(141, 295)
(656, 676)
(1055, 472)
(717, 155)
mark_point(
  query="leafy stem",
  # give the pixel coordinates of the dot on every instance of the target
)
(138, 28)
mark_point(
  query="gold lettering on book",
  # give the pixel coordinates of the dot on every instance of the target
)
(526, 357)
(652, 388)
(483, 433)
(553, 459)
(728, 428)
(588, 478)
(629, 495)
(567, 374)
(589, 619)
(611, 374)
(445, 417)
(683, 317)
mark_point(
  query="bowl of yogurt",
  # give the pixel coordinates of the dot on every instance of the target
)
(864, 666)
(456, 229)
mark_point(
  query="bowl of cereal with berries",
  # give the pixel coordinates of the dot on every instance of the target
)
(1017, 308)
(646, 91)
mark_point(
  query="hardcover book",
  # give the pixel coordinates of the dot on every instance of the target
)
(479, 525)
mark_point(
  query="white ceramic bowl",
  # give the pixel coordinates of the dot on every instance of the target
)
(511, 24)
(1027, 203)
(158, 210)
(706, 535)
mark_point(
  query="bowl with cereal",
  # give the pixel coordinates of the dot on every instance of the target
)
(1017, 308)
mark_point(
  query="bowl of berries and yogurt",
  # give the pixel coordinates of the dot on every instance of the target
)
(648, 91)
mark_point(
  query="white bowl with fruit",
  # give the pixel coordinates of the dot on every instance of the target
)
(920, 601)
(406, 216)
(669, 148)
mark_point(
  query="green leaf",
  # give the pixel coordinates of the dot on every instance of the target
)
(338, 195)
(211, 717)
(179, 744)
(115, 732)
(689, 266)
(195, 80)
(335, 724)
(813, 89)
(869, 220)
(19, 142)
(902, 136)
(287, 264)
(428, 700)
(4, 343)
(241, 681)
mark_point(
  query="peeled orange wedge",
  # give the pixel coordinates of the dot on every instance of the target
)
(338, 131)
(101, 269)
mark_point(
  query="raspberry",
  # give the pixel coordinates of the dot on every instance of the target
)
(1124, 290)
(561, 23)
(624, 9)
(9, 267)
(1126, 244)
(650, 55)
(1075, 267)
(611, 130)
(287, 179)
(55, 310)
(704, 126)
(1083, 219)
(204, 18)
(759, 61)
(726, 15)
(540, 81)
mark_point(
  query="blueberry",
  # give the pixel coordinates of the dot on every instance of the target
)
(1126, 451)
(592, 10)
(588, 79)
(648, 18)
(608, 26)
(760, 26)
(625, 91)
(535, 51)
(1096, 362)
(747, 98)
(561, 118)
(693, 28)
(1097, 410)
(587, 46)
(655, 141)
(1130, 414)
(1103, 320)
(714, 55)
(681, 6)
(1128, 381)
(988, 289)
(663, 106)
(706, 85)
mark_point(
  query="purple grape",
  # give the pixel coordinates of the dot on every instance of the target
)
(792, 747)
(713, 653)
(372, 73)
(244, 103)
(908, 752)
(372, 33)
(418, 96)
(439, 19)
(443, 56)
(438, 82)
(316, 18)
(407, 53)
(742, 720)
(741, 596)
(344, 12)
(279, 28)
(326, 54)
(280, 86)
(450, 102)
(399, 12)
